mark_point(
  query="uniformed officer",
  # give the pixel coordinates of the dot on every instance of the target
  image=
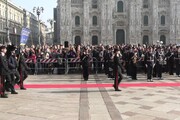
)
(149, 63)
(159, 62)
(6, 72)
(3, 70)
(23, 69)
(134, 61)
(117, 69)
(12, 64)
(177, 60)
(85, 58)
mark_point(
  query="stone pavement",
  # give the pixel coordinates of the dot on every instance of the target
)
(132, 103)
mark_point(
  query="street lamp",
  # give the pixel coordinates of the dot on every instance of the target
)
(38, 11)
(51, 21)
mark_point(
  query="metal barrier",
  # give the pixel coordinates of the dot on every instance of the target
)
(60, 65)
(70, 65)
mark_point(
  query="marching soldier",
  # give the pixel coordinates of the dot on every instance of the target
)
(85, 58)
(5, 73)
(3, 69)
(12, 64)
(177, 60)
(170, 61)
(149, 63)
(159, 62)
(117, 69)
(23, 70)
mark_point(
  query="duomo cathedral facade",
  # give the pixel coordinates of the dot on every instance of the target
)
(118, 21)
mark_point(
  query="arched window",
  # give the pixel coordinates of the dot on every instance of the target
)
(145, 4)
(163, 20)
(163, 39)
(94, 4)
(77, 40)
(77, 20)
(94, 20)
(94, 40)
(146, 39)
(120, 6)
(146, 21)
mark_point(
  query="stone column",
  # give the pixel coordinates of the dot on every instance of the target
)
(138, 21)
(109, 22)
(154, 21)
(65, 21)
(103, 26)
(86, 22)
(132, 25)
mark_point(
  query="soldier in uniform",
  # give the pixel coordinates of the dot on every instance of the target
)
(6, 72)
(85, 58)
(170, 61)
(134, 60)
(177, 60)
(117, 69)
(23, 70)
(12, 64)
(3, 70)
(159, 62)
(149, 63)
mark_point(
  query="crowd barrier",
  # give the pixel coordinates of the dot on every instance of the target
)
(59, 65)
(66, 66)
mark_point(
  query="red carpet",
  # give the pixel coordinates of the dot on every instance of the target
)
(41, 86)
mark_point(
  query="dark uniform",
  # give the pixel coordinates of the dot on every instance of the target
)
(170, 62)
(177, 62)
(3, 71)
(149, 62)
(12, 64)
(117, 70)
(159, 63)
(23, 70)
(85, 58)
(6, 74)
(133, 63)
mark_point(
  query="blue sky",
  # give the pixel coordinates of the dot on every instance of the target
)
(47, 4)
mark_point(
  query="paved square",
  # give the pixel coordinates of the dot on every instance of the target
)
(92, 103)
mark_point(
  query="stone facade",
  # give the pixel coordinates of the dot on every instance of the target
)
(119, 21)
(15, 22)
(17, 18)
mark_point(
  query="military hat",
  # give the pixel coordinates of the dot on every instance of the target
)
(2, 47)
(11, 47)
(116, 50)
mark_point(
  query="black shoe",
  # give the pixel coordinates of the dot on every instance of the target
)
(8, 90)
(4, 96)
(14, 92)
(117, 90)
(23, 88)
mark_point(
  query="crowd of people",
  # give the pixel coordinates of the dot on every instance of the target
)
(153, 59)
(164, 58)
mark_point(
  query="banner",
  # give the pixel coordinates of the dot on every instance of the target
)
(24, 36)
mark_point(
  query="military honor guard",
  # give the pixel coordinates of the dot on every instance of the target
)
(117, 69)
(177, 60)
(85, 58)
(23, 69)
(134, 61)
(149, 63)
